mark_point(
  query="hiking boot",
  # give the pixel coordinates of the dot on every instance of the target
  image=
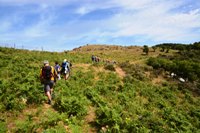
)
(49, 102)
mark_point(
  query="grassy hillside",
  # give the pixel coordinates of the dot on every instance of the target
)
(131, 98)
(118, 53)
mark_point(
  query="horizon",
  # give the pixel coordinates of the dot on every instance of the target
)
(43, 49)
(68, 24)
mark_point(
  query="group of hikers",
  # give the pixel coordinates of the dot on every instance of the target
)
(95, 58)
(98, 59)
(49, 75)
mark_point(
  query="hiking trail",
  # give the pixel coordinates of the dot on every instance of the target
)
(120, 72)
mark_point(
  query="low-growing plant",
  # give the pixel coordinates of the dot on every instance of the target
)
(24, 126)
(108, 117)
(132, 104)
(109, 67)
(3, 127)
(134, 70)
(73, 105)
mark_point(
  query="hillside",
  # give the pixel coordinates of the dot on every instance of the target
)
(126, 96)
(118, 53)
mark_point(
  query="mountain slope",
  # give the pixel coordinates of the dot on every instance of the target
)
(95, 98)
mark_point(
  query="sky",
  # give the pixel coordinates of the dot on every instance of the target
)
(58, 25)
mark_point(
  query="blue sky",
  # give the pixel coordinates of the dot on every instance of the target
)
(57, 25)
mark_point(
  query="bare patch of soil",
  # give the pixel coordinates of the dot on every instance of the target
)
(158, 81)
(89, 120)
(120, 72)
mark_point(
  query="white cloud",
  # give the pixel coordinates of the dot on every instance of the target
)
(133, 4)
(88, 6)
(156, 21)
(83, 10)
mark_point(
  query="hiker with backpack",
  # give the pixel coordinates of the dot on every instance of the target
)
(47, 75)
(65, 69)
(58, 69)
(93, 58)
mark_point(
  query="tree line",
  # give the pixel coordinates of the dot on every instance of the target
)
(165, 47)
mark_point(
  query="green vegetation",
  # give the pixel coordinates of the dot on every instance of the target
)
(146, 49)
(96, 98)
(185, 64)
(194, 46)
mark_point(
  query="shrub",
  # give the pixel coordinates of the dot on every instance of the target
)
(109, 67)
(3, 127)
(108, 117)
(133, 70)
(146, 49)
(185, 69)
(73, 105)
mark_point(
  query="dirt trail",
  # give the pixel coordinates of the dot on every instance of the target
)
(158, 81)
(120, 72)
(91, 115)
(81, 65)
(89, 120)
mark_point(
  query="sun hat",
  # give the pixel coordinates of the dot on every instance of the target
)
(46, 62)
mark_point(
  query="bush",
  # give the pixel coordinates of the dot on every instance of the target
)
(109, 67)
(185, 68)
(73, 106)
(146, 49)
(108, 117)
(3, 127)
(134, 70)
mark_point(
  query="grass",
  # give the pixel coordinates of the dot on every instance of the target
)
(133, 102)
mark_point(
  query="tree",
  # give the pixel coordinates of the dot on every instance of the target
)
(162, 48)
(167, 51)
(146, 49)
(154, 48)
(196, 45)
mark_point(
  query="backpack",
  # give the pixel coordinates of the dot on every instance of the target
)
(47, 72)
(57, 67)
(64, 64)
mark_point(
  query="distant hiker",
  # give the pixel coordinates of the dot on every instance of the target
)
(97, 59)
(93, 58)
(108, 61)
(114, 62)
(65, 69)
(58, 70)
(47, 74)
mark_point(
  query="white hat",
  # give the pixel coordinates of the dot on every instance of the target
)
(46, 62)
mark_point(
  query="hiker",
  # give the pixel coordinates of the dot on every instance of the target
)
(47, 74)
(97, 59)
(65, 69)
(93, 58)
(58, 69)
